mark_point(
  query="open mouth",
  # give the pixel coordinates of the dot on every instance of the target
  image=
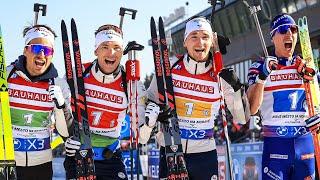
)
(109, 62)
(199, 50)
(288, 45)
(39, 62)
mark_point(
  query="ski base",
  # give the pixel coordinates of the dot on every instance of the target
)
(8, 170)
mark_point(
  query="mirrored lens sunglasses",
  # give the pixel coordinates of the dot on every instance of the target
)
(37, 48)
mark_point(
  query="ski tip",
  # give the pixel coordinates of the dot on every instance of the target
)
(63, 24)
(73, 25)
(299, 22)
(152, 22)
(305, 20)
(160, 20)
(302, 21)
(72, 21)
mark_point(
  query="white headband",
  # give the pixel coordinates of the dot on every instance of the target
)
(108, 35)
(197, 24)
(39, 32)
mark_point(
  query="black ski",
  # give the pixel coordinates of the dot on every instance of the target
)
(84, 157)
(173, 147)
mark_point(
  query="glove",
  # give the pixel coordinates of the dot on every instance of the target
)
(313, 123)
(254, 121)
(165, 113)
(151, 114)
(305, 72)
(231, 78)
(270, 64)
(71, 146)
(57, 96)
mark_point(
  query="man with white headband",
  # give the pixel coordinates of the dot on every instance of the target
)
(288, 151)
(36, 94)
(107, 103)
(197, 101)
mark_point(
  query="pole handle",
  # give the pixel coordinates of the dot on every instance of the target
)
(123, 11)
(37, 8)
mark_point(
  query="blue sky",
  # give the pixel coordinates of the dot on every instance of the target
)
(89, 15)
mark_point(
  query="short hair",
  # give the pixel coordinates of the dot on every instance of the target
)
(26, 29)
(107, 27)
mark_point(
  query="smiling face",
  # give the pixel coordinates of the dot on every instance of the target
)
(285, 43)
(109, 55)
(37, 63)
(198, 44)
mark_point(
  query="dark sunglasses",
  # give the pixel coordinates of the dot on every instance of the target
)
(37, 48)
(283, 29)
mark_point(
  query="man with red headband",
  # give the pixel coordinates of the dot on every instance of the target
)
(288, 151)
(36, 94)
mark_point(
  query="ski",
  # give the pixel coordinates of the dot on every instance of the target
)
(84, 157)
(308, 57)
(56, 140)
(173, 147)
(86, 152)
(7, 161)
(311, 88)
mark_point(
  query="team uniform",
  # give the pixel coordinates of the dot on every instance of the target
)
(197, 100)
(107, 105)
(31, 110)
(288, 146)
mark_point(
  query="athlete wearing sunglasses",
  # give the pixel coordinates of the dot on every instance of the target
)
(36, 94)
(288, 151)
(283, 29)
(39, 53)
(38, 48)
(284, 38)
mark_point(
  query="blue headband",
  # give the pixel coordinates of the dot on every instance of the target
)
(283, 19)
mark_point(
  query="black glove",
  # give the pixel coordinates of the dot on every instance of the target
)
(231, 78)
(165, 113)
(70, 167)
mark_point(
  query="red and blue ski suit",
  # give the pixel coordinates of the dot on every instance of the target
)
(288, 151)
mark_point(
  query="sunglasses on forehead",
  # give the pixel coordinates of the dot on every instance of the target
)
(37, 48)
(283, 29)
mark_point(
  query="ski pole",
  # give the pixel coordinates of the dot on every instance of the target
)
(133, 76)
(222, 41)
(36, 8)
(123, 12)
(253, 11)
(218, 65)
